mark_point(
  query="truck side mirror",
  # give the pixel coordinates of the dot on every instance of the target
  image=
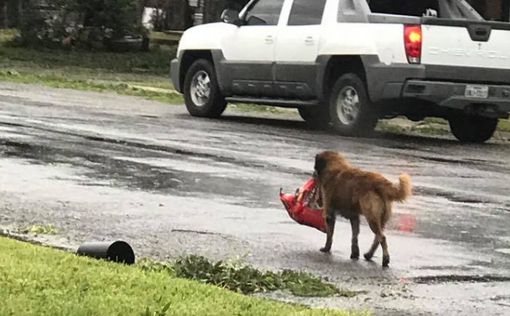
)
(231, 16)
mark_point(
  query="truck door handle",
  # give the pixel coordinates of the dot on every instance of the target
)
(269, 39)
(309, 40)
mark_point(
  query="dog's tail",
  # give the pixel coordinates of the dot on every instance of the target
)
(400, 192)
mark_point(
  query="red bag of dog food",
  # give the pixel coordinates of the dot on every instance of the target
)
(300, 206)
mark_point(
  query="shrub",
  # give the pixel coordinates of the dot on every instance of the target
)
(92, 24)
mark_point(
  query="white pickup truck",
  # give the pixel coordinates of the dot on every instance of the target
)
(346, 63)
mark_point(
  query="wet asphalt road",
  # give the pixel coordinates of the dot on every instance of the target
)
(102, 167)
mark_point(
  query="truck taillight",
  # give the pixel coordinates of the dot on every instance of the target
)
(413, 43)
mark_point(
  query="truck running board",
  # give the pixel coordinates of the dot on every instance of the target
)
(285, 103)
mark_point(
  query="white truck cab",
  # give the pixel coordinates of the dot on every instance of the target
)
(346, 63)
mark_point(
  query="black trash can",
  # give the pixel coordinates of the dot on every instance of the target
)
(117, 251)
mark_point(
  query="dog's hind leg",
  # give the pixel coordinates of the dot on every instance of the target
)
(370, 253)
(375, 210)
(380, 238)
(384, 244)
(369, 205)
(386, 255)
(355, 233)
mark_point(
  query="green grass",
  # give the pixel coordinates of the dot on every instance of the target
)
(79, 81)
(249, 107)
(161, 38)
(504, 125)
(144, 74)
(42, 281)
(40, 230)
(239, 277)
(429, 126)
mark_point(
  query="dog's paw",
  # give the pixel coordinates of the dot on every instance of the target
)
(325, 250)
(385, 261)
(354, 253)
(368, 256)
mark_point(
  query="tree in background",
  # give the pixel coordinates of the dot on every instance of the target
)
(90, 24)
(158, 18)
(10, 12)
(171, 14)
(179, 15)
(3, 13)
(213, 8)
(118, 17)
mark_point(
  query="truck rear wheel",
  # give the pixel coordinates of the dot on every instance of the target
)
(202, 95)
(472, 128)
(350, 110)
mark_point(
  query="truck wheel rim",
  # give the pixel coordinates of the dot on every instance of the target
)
(200, 89)
(347, 105)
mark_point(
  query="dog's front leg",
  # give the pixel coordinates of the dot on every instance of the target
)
(354, 241)
(330, 218)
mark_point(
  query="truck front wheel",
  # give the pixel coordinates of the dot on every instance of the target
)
(350, 110)
(202, 95)
(472, 128)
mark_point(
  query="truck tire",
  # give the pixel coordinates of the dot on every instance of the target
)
(472, 128)
(350, 110)
(202, 95)
(315, 117)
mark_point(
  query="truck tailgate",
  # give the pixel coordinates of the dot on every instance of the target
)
(466, 44)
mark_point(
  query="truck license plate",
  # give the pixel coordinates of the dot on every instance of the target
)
(476, 91)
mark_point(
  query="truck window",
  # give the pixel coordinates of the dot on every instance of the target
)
(446, 9)
(403, 7)
(264, 12)
(306, 12)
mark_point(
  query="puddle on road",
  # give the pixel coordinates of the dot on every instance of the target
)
(445, 160)
(501, 298)
(140, 172)
(451, 196)
(505, 251)
(36, 154)
(435, 279)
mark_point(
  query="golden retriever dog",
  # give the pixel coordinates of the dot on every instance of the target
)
(352, 192)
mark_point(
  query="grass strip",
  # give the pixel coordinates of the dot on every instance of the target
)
(42, 281)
